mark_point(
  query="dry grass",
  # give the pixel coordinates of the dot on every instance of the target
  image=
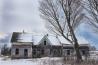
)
(72, 61)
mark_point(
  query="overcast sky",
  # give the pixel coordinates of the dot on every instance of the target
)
(19, 15)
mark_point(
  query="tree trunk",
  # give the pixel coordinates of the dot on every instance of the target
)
(76, 45)
(74, 39)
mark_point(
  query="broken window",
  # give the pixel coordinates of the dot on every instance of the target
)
(25, 52)
(17, 51)
(42, 51)
(34, 52)
(68, 52)
(83, 52)
(55, 52)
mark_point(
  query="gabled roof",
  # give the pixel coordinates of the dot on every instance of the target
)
(63, 40)
(53, 40)
(14, 37)
(19, 37)
(80, 39)
(25, 37)
(45, 38)
(37, 39)
(22, 37)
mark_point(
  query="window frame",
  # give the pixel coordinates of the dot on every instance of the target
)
(68, 52)
(45, 42)
(17, 51)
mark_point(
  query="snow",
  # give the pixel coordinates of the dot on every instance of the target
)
(63, 40)
(94, 55)
(35, 39)
(53, 40)
(17, 62)
(4, 61)
(25, 37)
(35, 61)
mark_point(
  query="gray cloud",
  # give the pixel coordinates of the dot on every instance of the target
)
(20, 14)
(6, 39)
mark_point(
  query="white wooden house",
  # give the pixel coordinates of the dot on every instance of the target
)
(27, 45)
(21, 45)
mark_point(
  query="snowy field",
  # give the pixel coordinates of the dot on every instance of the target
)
(38, 61)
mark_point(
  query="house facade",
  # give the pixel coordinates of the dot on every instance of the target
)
(26, 45)
(21, 45)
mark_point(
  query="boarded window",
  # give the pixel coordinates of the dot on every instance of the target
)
(68, 52)
(17, 51)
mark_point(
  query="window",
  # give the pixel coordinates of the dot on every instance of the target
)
(50, 51)
(25, 52)
(44, 42)
(68, 52)
(55, 52)
(83, 52)
(42, 51)
(34, 51)
(17, 51)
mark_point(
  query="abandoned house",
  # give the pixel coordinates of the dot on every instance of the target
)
(27, 45)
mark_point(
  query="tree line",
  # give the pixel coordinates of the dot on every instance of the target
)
(5, 50)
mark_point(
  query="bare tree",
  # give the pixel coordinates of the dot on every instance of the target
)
(5, 50)
(92, 8)
(62, 17)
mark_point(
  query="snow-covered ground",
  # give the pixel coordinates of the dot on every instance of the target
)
(37, 61)
(33, 61)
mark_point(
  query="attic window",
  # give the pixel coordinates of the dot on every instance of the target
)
(44, 42)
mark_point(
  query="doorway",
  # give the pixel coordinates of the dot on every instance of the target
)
(25, 53)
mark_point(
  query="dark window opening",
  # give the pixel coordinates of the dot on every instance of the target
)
(25, 52)
(42, 51)
(44, 42)
(50, 51)
(83, 52)
(34, 51)
(17, 51)
(55, 52)
(68, 52)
